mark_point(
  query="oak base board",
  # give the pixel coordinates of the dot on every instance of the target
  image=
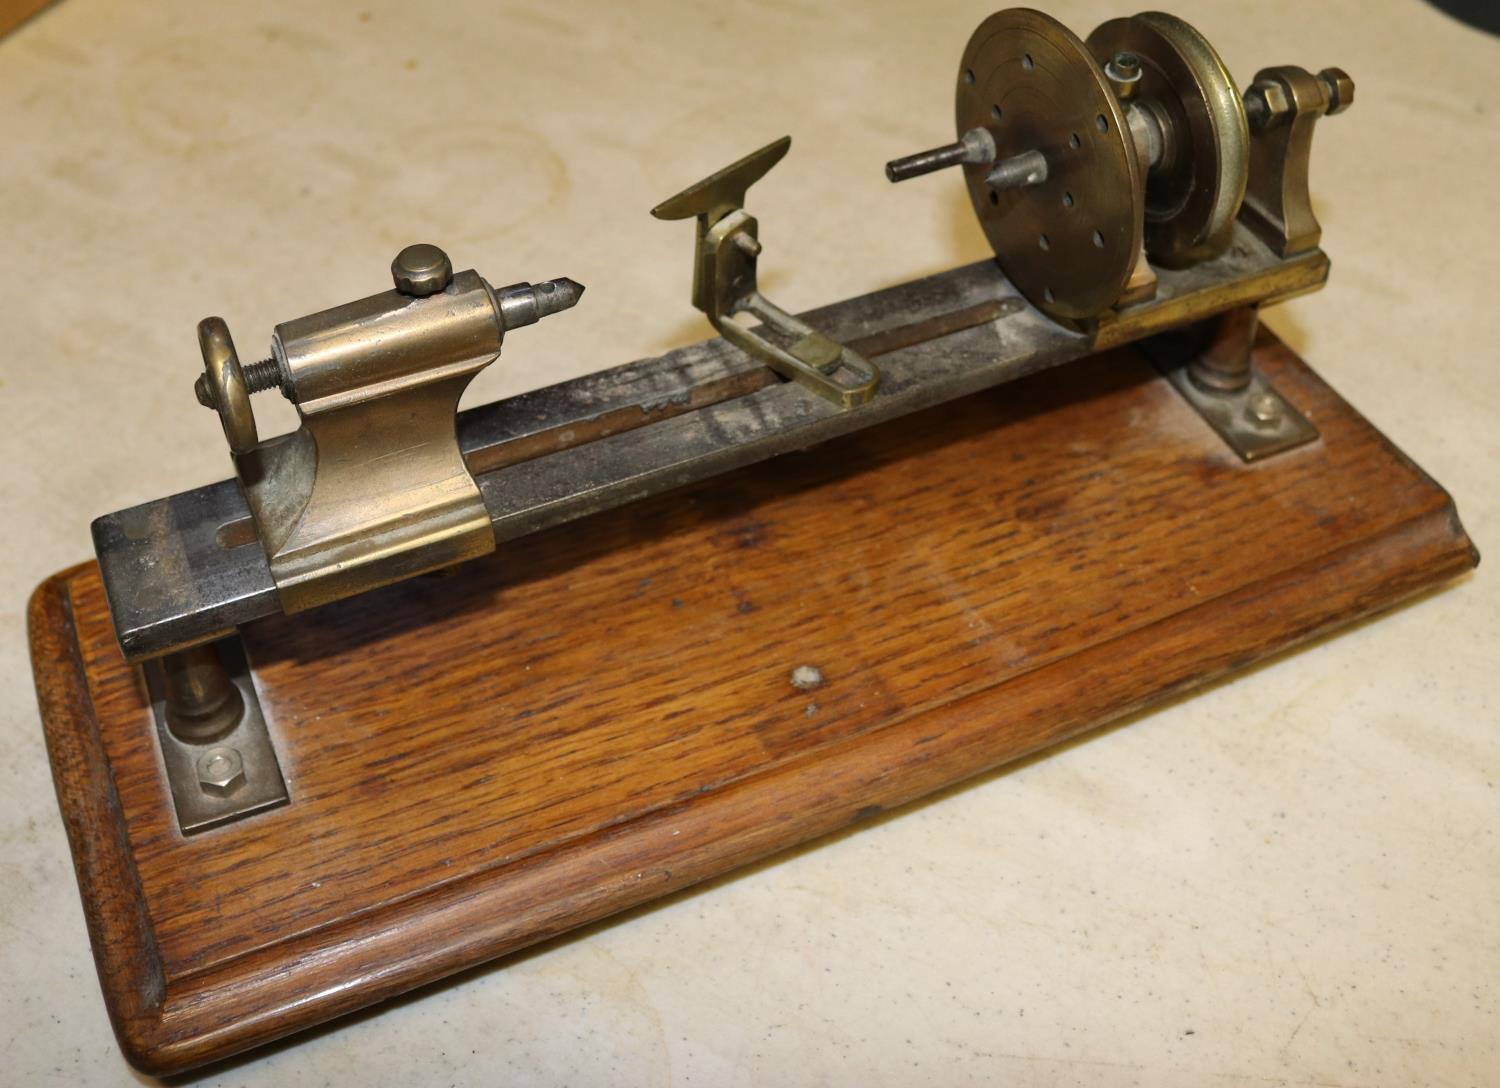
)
(602, 714)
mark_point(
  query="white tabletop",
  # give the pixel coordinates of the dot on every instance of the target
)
(1291, 878)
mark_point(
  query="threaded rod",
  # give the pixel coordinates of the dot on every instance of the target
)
(262, 375)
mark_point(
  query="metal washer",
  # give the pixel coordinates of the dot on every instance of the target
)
(1069, 243)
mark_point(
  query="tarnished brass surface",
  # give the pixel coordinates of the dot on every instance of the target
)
(222, 386)
(710, 200)
(1069, 242)
(1087, 164)
(201, 702)
(1223, 365)
(366, 495)
(1284, 105)
(1256, 422)
(372, 487)
(229, 771)
(1172, 308)
(1195, 191)
(1217, 377)
(725, 256)
(1142, 283)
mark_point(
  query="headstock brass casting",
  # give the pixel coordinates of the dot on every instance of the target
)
(1283, 105)
(1085, 159)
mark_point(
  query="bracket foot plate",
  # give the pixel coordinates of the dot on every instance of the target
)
(1256, 422)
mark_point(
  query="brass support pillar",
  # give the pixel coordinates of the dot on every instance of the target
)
(202, 702)
(1224, 364)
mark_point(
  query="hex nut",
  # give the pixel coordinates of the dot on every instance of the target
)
(1264, 410)
(1265, 102)
(1340, 89)
(221, 770)
(1123, 71)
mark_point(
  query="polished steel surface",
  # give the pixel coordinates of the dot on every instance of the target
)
(974, 146)
(1018, 171)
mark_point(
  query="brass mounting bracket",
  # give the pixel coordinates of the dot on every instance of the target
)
(1221, 383)
(1283, 106)
(724, 284)
(372, 487)
(216, 749)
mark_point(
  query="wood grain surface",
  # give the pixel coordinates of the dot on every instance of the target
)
(15, 12)
(601, 714)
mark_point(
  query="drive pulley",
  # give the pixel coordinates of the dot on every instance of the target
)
(1083, 158)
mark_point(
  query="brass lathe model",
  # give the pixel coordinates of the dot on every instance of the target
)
(377, 777)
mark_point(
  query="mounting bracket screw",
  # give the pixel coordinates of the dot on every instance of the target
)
(1266, 102)
(220, 770)
(1340, 89)
(421, 270)
(1264, 409)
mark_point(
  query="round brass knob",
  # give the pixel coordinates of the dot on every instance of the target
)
(223, 385)
(421, 270)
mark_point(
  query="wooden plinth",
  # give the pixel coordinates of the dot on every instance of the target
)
(604, 713)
